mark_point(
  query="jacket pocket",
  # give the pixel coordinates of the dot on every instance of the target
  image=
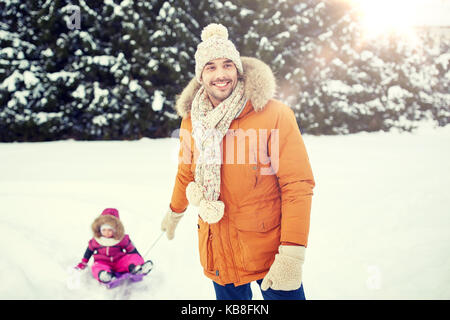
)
(259, 239)
(205, 245)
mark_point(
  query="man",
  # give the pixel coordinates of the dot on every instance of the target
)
(244, 164)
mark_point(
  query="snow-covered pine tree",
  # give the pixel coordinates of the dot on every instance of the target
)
(128, 67)
(297, 39)
(179, 25)
(408, 78)
(336, 81)
(113, 76)
(32, 97)
(117, 75)
(436, 99)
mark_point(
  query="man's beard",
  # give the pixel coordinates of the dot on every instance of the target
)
(218, 95)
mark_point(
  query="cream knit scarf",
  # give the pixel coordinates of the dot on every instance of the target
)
(209, 126)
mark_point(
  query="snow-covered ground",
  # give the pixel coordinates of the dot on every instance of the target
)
(380, 224)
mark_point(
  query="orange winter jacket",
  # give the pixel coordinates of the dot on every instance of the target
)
(266, 182)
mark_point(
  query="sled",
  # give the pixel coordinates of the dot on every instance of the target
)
(121, 278)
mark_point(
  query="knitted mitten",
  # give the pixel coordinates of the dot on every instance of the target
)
(170, 222)
(209, 211)
(286, 271)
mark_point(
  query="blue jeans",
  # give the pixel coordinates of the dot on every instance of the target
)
(244, 292)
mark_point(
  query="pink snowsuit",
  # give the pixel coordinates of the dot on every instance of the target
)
(114, 258)
(111, 254)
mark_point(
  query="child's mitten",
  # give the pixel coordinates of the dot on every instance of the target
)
(82, 264)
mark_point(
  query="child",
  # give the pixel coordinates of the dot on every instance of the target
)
(112, 249)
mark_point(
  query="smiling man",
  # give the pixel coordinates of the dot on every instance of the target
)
(254, 214)
(219, 78)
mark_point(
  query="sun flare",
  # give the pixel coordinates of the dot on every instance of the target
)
(384, 16)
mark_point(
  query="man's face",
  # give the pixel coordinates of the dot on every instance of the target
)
(219, 78)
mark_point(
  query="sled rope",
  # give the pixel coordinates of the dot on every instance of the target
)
(153, 244)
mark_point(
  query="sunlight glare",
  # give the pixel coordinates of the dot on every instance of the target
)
(385, 16)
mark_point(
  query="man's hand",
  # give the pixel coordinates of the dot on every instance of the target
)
(286, 271)
(169, 223)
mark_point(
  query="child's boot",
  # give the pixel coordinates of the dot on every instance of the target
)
(105, 276)
(146, 267)
(134, 269)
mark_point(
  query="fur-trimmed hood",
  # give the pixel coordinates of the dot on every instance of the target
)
(113, 222)
(259, 87)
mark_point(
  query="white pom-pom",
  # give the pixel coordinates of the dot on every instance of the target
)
(214, 29)
(211, 211)
(194, 193)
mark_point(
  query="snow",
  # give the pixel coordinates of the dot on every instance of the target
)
(67, 77)
(100, 120)
(87, 37)
(265, 44)
(80, 92)
(156, 34)
(444, 60)
(246, 12)
(103, 60)
(379, 222)
(21, 96)
(10, 82)
(134, 85)
(99, 95)
(397, 92)
(42, 117)
(7, 52)
(282, 35)
(48, 53)
(152, 64)
(158, 100)
(337, 87)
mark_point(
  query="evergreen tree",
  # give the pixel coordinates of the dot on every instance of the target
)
(297, 39)
(336, 81)
(116, 74)
(31, 105)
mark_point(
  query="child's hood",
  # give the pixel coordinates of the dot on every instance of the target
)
(111, 217)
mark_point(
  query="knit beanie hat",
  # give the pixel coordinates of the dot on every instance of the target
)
(215, 45)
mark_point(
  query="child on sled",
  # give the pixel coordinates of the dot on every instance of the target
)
(112, 249)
